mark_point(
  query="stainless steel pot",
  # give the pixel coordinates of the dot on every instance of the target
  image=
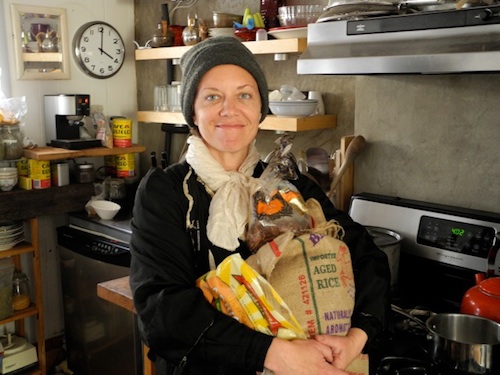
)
(390, 243)
(465, 344)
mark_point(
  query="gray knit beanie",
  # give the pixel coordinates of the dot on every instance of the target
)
(212, 52)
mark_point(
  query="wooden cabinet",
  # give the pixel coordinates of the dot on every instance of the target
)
(36, 307)
(20, 204)
(275, 46)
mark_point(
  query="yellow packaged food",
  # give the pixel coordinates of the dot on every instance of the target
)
(237, 290)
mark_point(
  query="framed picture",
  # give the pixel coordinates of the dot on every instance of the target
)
(40, 42)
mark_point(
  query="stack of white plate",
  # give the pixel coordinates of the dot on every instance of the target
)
(221, 31)
(11, 234)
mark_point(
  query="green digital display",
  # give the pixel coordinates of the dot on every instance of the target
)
(459, 237)
(458, 231)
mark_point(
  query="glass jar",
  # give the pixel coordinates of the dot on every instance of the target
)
(117, 189)
(85, 173)
(12, 142)
(191, 33)
(20, 291)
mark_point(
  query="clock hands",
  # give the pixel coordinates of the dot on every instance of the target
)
(102, 37)
(107, 54)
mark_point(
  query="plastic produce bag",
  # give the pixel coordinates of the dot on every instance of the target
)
(277, 205)
(12, 110)
(237, 290)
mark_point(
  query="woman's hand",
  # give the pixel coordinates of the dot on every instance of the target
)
(300, 357)
(344, 349)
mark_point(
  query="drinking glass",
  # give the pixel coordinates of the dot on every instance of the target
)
(174, 96)
(160, 98)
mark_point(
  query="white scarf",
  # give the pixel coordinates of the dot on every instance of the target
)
(230, 206)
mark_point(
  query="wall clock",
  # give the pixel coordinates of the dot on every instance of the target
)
(98, 49)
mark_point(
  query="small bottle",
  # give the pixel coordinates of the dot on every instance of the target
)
(20, 291)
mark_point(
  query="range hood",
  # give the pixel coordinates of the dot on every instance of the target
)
(456, 41)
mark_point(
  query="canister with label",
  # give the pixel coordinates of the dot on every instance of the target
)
(39, 172)
(122, 132)
(125, 165)
(22, 167)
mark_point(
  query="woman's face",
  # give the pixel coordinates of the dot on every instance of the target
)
(227, 111)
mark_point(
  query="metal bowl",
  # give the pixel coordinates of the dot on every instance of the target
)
(222, 19)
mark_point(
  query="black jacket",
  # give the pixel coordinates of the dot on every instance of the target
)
(176, 321)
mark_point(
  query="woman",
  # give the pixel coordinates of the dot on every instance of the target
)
(190, 217)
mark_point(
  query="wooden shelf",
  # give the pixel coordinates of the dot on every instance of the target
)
(55, 153)
(274, 46)
(21, 314)
(43, 57)
(272, 122)
(19, 204)
(298, 124)
(297, 45)
(36, 307)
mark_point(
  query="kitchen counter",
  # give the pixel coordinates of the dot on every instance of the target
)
(118, 291)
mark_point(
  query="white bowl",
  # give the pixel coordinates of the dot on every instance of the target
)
(293, 108)
(8, 172)
(8, 183)
(106, 210)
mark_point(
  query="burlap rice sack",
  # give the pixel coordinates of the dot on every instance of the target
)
(313, 274)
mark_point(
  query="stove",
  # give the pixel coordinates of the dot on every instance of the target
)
(443, 247)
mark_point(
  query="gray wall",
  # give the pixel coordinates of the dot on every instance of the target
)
(433, 138)
(430, 138)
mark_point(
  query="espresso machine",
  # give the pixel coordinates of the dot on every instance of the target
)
(64, 114)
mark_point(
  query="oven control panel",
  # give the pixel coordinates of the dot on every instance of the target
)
(449, 235)
(459, 237)
(94, 245)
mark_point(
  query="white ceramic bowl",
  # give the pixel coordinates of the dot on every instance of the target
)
(106, 210)
(8, 171)
(8, 183)
(293, 108)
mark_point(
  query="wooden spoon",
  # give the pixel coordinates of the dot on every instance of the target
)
(355, 148)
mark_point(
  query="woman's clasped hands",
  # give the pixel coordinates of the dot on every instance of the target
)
(301, 357)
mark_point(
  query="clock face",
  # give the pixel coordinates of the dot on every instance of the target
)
(99, 50)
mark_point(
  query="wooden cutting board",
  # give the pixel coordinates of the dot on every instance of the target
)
(345, 188)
